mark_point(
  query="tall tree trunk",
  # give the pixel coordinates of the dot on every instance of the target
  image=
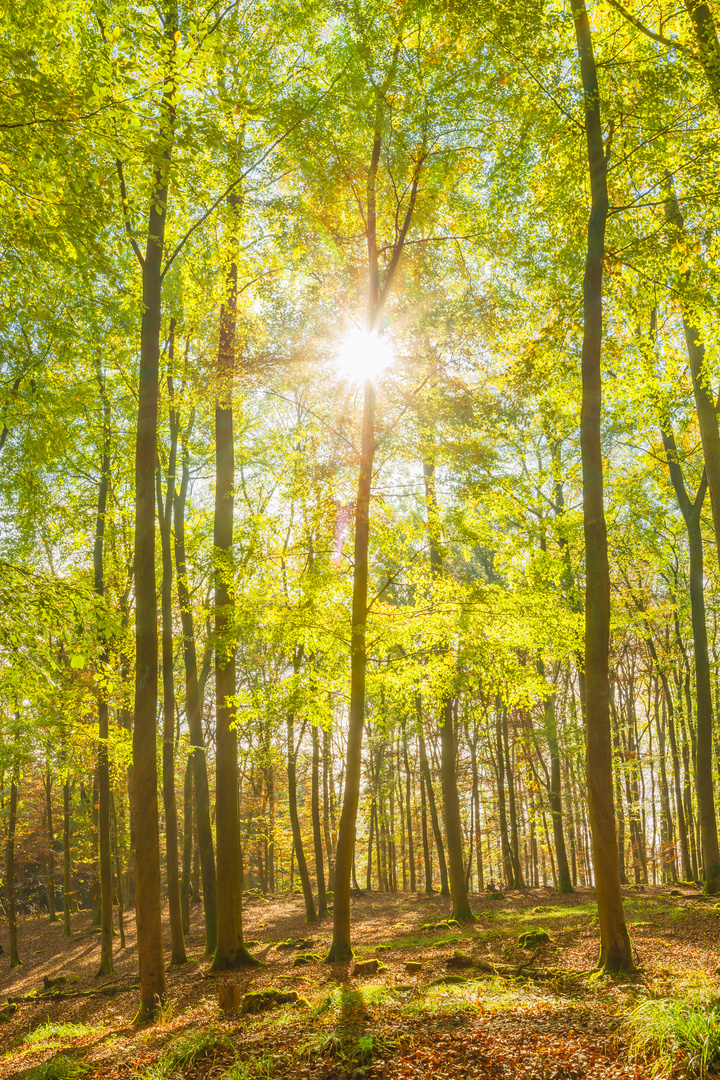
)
(408, 812)
(615, 949)
(118, 872)
(310, 914)
(153, 987)
(425, 768)
(476, 803)
(448, 749)
(703, 765)
(187, 845)
(327, 831)
(230, 951)
(50, 864)
(67, 929)
(502, 814)
(317, 829)
(564, 884)
(371, 837)
(518, 881)
(427, 864)
(675, 759)
(103, 767)
(341, 949)
(164, 505)
(194, 690)
(10, 865)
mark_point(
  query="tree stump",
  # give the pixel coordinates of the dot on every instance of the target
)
(229, 997)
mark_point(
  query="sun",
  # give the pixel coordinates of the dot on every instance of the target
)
(363, 355)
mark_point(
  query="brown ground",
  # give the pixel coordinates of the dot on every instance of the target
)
(559, 1027)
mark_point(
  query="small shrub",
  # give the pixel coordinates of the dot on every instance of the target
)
(60, 1068)
(668, 1029)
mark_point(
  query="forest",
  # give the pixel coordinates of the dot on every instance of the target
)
(359, 539)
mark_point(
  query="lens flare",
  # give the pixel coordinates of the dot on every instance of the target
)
(364, 355)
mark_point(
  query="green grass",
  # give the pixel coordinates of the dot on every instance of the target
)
(55, 1034)
(667, 1032)
(185, 1051)
(60, 1068)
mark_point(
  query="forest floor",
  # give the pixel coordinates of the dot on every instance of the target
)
(554, 1020)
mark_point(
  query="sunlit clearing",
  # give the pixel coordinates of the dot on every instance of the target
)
(363, 355)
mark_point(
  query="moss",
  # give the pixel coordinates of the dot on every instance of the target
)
(368, 967)
(533, 939)
(305, 958)
(260, 1000)
(448, 980)
(7, 1012)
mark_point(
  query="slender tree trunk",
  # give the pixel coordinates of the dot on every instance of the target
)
(310, 914)
(164, 505)
(103, 767)
(317, 831)
(371, 837)
(194, 688)
(615, 949)
(408, 811)
(518, 881)
(476, 803)
(564, 884)
(502, 815)
(230, 951)
(451, 799)
(67, 930)
(427, 864)
(10, 866)
(187, 845)
(327, 831)
(118, 872)
(50, 864)
(341, 948)
(153, 987)
(704, 718)
(434, 820)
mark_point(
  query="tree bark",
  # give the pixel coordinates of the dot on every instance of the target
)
(230, 951)
(502, 813)
(103, 767)
(10, 865)
(425, 768)
(310, 913)
(327, 830)
(408, 812)
(153, 987)
(517, 874)
(704, 718)
(615, 949)
(194, 690)
(67, 929)
(50, 864)
(187, 845)
(164, 506)
(317, 830)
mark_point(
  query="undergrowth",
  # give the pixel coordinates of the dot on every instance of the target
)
(667, 1032)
